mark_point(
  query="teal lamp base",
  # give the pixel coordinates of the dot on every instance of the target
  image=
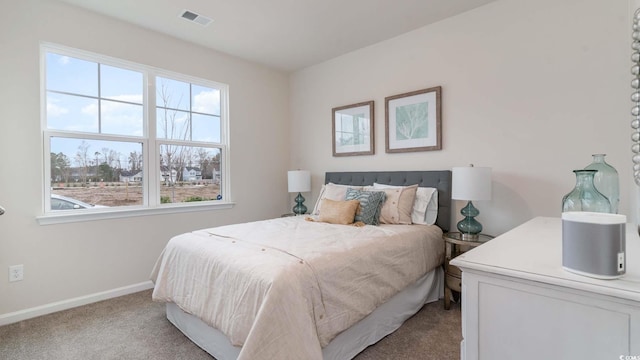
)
(299, 209)
(469, 227)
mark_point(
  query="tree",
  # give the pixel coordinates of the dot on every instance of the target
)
(82, 159)
(96, 154)
(172, 157)
(169, 124)
(216, 167)
(105, 153)
(135, 161)
(110, 157)
(60, 167)
(204, 161)
(105, 172)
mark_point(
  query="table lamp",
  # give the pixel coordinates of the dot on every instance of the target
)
(470, 183)
(299, 181)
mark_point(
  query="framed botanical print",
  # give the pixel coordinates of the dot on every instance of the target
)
(352, 129)
(413, 121)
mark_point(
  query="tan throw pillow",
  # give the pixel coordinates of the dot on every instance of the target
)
(399, 204)
(338, 212)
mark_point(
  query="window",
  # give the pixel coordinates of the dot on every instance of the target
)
(122, 136)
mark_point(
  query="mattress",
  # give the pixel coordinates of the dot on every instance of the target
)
(285, 288)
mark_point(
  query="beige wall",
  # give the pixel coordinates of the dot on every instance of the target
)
(79, 259)
(529, 88)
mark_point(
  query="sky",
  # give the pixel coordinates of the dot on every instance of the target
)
(85, 97)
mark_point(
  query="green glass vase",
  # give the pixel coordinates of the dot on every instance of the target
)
(606, 180)
(585, 196)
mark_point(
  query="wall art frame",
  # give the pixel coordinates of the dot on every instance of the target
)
(352, 129)
(413, 121)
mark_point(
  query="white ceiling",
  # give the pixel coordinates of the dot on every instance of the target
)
(284, 34)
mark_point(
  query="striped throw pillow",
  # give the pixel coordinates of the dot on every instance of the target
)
(370, 204)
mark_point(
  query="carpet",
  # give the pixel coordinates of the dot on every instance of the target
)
(134, 327)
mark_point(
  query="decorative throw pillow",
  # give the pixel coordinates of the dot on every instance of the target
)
(331, 191)
(370, 204)
(398, 206)
(338, 212)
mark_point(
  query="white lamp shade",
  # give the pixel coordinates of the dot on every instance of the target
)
(471, 183)
(299, 181)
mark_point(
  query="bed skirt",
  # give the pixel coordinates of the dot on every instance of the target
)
(381, 322)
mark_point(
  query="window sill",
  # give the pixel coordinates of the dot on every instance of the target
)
(91, 215)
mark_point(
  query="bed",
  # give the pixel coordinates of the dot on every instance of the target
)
(290, 288)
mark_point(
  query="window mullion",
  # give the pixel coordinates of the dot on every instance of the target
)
(225, 158)
(93, 136)
(190, 111)
(151, 166)
(99, 101)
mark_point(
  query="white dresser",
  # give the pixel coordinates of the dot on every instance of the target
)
(519, 303)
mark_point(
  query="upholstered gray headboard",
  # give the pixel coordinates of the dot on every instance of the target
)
(439, 179)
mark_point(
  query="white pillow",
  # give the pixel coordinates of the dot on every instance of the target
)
(425, 208)
(332, 191)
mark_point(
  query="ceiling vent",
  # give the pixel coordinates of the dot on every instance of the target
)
(196, 18)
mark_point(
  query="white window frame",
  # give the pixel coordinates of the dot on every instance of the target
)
(151, 144)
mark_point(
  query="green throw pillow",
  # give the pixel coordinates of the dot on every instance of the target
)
(370, 204)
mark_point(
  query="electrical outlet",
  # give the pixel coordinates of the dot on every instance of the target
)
(16, 273)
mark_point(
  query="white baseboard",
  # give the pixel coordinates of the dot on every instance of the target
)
(25, 314)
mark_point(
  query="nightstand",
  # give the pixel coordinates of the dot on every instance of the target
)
(454, 246)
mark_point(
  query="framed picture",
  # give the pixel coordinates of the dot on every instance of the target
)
(413, 121)
(352, 129)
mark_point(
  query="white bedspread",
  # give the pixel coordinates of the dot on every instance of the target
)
(283, 288)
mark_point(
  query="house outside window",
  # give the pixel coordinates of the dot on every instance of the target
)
(128, 136)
